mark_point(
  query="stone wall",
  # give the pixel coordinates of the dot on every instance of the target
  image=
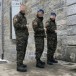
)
(66, 23)
(9, 44)
(71, 31)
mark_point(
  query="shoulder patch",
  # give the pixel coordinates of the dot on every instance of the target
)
(34, 22)
(15, 19)
(47, 23)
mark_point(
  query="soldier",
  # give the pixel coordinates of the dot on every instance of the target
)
(51, 39)
(21, 32)
(39, 35)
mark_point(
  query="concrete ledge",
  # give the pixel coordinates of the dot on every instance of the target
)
(3, 61)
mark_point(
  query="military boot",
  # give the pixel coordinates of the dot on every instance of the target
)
(21, 68)
(40, 64)
(24, 65)
(53, 61)
(49, 62)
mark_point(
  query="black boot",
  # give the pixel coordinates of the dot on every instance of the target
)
(49, 62)
(53, 61)
(24, 65)
(40, 64)
(43, 63)
(21, 68)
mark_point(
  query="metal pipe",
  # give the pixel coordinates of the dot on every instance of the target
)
(2, 29)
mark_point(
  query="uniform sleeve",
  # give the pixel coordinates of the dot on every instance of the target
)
(54, 27)
(47, 25)
(16, 22)
(24, 24)
(35, 27)
(50, 27)
(26, 21)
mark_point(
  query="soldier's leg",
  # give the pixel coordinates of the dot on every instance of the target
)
(25, 46)
(52, 48)
(50, 42)
(20, 51)
(25, 41)
(39, 44)
(54, 44)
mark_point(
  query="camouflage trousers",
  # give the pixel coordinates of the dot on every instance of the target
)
(21, 44)
(39, 45)
(51, 45)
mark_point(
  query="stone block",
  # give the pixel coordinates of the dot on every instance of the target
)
(71, 20)
(71, 30)
(69, 2)
(71, 40)
(70, 54)
(71, 9)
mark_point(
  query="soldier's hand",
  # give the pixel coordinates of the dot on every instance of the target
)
(35, 23)
(45, 29)
(55, 31)
(15, 19)
(45, 36)
(46, 24)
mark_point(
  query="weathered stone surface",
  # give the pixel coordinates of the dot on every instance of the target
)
(71, 9)
(62, 32)
(71, 30)
(71, 20)
(69, 2)
(71, 54)
(71, 40)
(61, 22)
(60, 69)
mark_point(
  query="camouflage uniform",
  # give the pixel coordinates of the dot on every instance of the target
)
(39, 35)
(21, 32)
(51, 38)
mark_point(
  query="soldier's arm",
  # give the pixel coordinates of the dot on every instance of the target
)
(25, 23)
(56, 28)
(16, 22)
(25, 20)
(24, 26)
(47, 24)
(50, 27)
(35, 27)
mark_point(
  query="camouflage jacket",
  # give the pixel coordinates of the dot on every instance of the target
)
(38, 27)
(19, 22)
(50, 26)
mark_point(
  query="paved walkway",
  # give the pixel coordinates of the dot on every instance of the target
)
(60, 69)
